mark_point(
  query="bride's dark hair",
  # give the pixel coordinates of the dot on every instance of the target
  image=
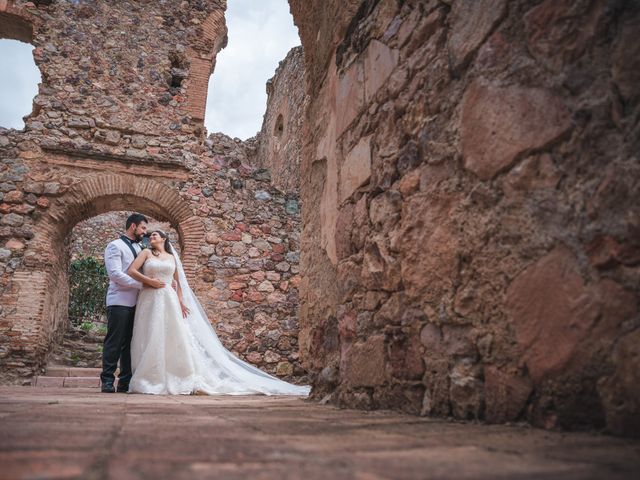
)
(167, 243)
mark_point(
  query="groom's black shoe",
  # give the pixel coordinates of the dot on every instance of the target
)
(107, 388)
(122, 388)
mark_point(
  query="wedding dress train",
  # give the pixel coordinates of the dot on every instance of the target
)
(172, 355)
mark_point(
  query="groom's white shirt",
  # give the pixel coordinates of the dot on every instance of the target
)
(123, 290)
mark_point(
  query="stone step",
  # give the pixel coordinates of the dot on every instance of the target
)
(70, 382)
(65, 371)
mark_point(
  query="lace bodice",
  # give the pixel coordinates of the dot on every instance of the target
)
(162, 269)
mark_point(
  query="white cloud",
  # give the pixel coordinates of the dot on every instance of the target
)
(18, 82)
(261, 32)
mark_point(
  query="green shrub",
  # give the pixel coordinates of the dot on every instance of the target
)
(86, 326)
(88, 284)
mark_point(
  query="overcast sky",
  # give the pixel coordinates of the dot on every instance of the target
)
(18, 82)
(261, 32)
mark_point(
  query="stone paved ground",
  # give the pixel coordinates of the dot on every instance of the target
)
(79, 433)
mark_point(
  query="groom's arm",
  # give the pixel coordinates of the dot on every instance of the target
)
(115, 269)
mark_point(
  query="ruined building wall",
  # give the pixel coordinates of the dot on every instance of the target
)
(280, 139)
(469, 185)
(475, 251)
(117, 126)
(249, 258)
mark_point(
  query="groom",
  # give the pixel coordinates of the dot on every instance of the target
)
(122, 297)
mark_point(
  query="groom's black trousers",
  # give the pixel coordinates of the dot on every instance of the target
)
(117, 344)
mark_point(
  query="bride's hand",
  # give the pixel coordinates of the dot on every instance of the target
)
(185, 310)
(155, 283)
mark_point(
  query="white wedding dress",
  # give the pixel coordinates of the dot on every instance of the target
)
(174, 355)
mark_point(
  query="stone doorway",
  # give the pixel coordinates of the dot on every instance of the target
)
(43, 289)
(79, 343)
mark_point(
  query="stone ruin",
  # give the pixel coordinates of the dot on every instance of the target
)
(118, 125)
(468, 178)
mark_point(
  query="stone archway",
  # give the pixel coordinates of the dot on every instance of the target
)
(78, 157)
(104, 193)
(41, 287)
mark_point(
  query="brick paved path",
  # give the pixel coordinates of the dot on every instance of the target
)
(79, 433)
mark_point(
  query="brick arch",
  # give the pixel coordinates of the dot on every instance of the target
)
(41, 288)
(212, 37)
(106, 193)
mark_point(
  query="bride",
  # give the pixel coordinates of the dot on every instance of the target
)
(174, 349)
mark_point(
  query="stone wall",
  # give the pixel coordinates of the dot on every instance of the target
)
(280, 139)
(248, 282)
(469, 183)
(475, 248)
(250, 273)
(116, 128)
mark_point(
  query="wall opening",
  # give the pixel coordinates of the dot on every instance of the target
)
(260, 36)
(18, 82)
(81, 343)
(279, 127)
(42, 286)
(178, 73)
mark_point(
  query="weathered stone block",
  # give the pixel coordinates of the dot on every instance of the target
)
(33, 187)
(266, 286)
(363, 365)
(505, 394)
(284, 369)
(385, 209)
(12, 219)
(14, 196)
(466, 390)
(626, 59)
(427, 247)
(380, 270)
(471, 23)
(500, 123)
(356, 168)
(559, 31)
(620, 391)
(558, 318)
(405, 356)
(81, 122)
(112, 137)
(379, 63)
(349, 100)
(52, 188)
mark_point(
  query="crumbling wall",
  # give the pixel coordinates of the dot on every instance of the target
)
(472, 249)
(117, 126)
(280, 139)
(469, 183)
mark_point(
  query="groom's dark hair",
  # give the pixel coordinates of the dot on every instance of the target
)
(137, 219)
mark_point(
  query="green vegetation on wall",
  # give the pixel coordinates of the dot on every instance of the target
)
(88, 283)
